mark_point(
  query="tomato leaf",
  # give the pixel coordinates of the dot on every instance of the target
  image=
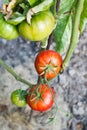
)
(25, 7)
(33, 2)
(16, 18)
(62, 32)
(83, 20)
(65, 6)
(6, 1)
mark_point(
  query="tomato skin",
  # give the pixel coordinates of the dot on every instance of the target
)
(45, 102)
(44, 59)
(40, 27)
(7, 31)
(18, 98)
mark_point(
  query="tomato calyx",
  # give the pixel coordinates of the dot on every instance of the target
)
(36, 94)
(48, 68)
(29, 15)
(22, 93)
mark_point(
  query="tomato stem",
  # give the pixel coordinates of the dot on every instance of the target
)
(44, 44)
(17, 77)
(56, 7)
(49, 41)
(75, 32)
(53, 118)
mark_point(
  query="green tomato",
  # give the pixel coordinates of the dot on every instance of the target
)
(40, 27)
(18, 97)
(7, 31)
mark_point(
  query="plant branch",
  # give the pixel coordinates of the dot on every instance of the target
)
(56, 8)
(75, 32)
(17, 77)
(44, 44)
(57, 5)
(49, 41)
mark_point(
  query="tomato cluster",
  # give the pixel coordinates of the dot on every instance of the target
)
(34, 20)
(14, 21)
(40, 97)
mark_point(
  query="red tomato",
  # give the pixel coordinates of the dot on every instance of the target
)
(48, 63)
(41, 98)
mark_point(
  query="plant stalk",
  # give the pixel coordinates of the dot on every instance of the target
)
(75, 32)
(17, 77)
(56, 8)
(44, 44)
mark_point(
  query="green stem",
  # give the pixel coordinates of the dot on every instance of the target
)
(17, 77)
(75, 32)
(56, 7)
(44, 44)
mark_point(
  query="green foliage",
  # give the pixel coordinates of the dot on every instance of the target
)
(65, 6)
(83, 20)
(62, 32)
(34, 2)
(16, 18)
(6, 1)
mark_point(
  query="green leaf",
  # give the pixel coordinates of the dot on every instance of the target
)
(62, 33)
(16, 18)
(34, 2)
(65, 6)
(25, 7)
(45, 5)
(6, 1)
(83, 20)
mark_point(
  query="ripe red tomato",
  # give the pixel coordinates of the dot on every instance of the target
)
(41, 98)
(48, 63)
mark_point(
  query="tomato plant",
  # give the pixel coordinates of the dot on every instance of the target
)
(48, 63)
(41, 97)
(7, 31)
(18, 97)
(47, 21)
(40, 27)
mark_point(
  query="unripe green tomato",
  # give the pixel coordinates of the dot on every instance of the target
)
(18, 97)
(7, 31)
(40, 27)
